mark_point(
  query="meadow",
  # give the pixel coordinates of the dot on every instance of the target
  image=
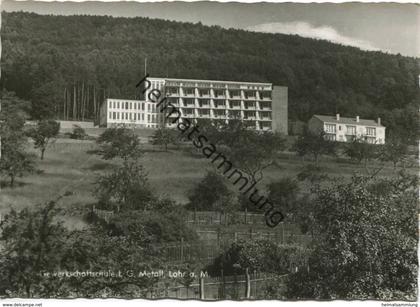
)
(69, 167)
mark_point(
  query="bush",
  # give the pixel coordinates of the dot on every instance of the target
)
(258, 255)
(78, 133)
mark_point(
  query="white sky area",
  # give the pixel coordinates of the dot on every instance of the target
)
(307, 30)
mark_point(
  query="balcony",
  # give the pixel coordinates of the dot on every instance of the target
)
(219, 106)
(234, 115)
(205, 94)
(188, 94)
(204, 115)
(204, 106)
(189, 105)
(235, 105)
(235, 95)
(265, 96)
(174, 94)
(250, 95)
(264, 106)
(219, 115)
(250, 106)
(219, 98)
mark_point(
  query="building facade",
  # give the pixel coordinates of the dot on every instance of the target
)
(134, 113)
(261, 106)
(346, 129)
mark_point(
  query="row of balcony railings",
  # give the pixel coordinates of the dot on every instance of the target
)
(219, 86)
(223, 115)
(216, 105)
(228, 95)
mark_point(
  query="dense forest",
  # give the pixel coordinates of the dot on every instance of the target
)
(66, 65)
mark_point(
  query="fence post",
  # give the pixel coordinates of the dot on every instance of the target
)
(201, 288)
(195, 216)
(282, 233)
(223, 290)
(248, 284)
(182, 248)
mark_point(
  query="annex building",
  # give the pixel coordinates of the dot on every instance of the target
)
(346, 129)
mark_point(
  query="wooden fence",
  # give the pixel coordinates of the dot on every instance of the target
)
(216, 218)
(214, 242)
(247, 286)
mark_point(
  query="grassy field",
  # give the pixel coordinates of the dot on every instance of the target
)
(69, 167)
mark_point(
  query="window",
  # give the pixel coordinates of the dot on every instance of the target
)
(235, 93)
(142, 116)
(118, 115)
(126, 105)
(330, 137)
(265, 95)
(142, 106)
(330, 128)
(370, 131)
(219, 93)
(148, 118)
(204, 92)
(114, 116)
(189, 92)
(110, 104)
(118, 104)
(351, 130)
(250, 105)
(109, 115)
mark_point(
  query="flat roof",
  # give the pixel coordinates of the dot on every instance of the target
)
(122, 99)
(211, 81)
(348, 120)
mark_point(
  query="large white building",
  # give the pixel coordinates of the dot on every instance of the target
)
(261, 105)
(346, 129)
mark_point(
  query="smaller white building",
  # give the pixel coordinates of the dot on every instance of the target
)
(135, 113)
(346, 129)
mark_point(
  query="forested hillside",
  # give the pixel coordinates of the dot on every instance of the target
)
(66, 65)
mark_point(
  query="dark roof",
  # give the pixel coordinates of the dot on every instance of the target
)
(347, 120)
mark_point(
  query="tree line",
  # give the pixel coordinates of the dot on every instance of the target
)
(67, 65)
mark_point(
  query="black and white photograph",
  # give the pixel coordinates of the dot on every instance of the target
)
(209, 151)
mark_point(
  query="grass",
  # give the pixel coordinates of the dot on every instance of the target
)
(68, 167)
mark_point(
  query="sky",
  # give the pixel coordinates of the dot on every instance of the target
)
(389, 27)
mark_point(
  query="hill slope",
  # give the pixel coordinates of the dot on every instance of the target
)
(72, 62)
